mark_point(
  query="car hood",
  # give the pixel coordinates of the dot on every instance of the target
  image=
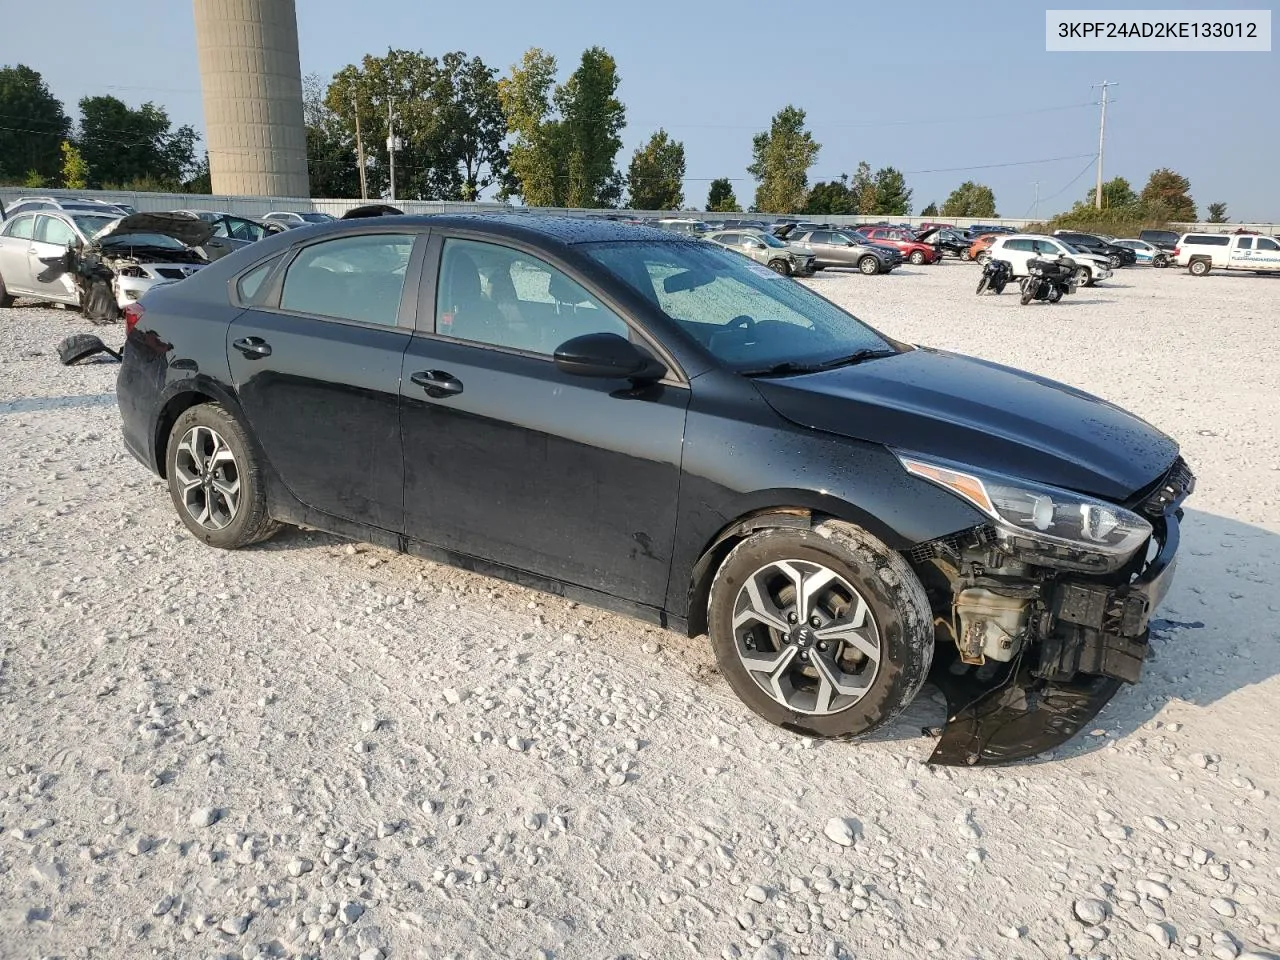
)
(182, 227)
(980, 413)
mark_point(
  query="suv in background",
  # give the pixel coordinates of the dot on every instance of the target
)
(1164, 239)
(1116, 256)
(1018, 249)
(765, 248)
(835, 248)
(291, 220)
(1201, 252)
(905, 242)
(64, 204)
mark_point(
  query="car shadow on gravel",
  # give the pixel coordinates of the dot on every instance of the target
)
(44, 404)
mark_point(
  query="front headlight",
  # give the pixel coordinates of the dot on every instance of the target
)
(1041, 523)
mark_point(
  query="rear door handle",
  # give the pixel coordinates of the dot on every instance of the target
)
(437, 383)
(255, 348)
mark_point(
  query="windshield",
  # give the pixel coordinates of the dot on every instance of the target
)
(90, 224)
(316, 217)
(744, 314)
(143, 240)
(770, 240)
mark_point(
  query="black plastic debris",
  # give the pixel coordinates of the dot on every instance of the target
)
(82, 346)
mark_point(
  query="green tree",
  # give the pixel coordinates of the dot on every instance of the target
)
(122, 145)
(863, 188)
(535, 154)
(1218, 213)
(468, 123)
(930, 211)
(655, 179)
(781, 160)
(720, 198)
(75, 172)
(831, 197)
(200, 180)
(34, 180)
(591, 119)
(1174, 191)
(332, 167)
(565, 136)
(970, 200)
(1116, 192)
(33, 126)
(892, 196)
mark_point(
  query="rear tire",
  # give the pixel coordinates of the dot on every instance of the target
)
(780, 266)
(1199, 268)
(982, 258)
(964, 255)
(215, 479)
(6, 300)
(851, 668)
(870, 266)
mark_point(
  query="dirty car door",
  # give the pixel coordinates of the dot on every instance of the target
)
(317, 370)
(509, 459)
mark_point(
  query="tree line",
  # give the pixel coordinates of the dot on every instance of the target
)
(462, 129)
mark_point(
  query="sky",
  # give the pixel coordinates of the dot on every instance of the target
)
(927, 87)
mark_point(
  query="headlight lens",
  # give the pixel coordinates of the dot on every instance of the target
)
(1043, 514)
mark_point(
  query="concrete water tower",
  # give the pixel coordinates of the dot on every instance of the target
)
(252, 85)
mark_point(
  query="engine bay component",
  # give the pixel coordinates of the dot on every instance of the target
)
(992, 626)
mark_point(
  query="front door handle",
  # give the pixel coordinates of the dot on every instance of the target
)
(254, 348)
(437, 383)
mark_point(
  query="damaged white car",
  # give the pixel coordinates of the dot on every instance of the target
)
(98, 263)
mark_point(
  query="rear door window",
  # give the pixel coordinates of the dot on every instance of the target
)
(351, 278)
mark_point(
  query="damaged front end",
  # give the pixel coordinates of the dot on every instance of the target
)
(1038, 626)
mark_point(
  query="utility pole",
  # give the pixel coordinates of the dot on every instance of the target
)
(1035, 207)
(391, 145)
(364, 188)
(1102, 135)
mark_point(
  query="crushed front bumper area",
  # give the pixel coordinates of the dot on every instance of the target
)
(1096, 640)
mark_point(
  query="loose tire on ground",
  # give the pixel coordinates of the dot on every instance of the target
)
(896, 613)
(208, 444)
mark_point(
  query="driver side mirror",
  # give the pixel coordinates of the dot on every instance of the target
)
(607, 356)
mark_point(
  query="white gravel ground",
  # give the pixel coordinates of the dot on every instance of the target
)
(317, 749)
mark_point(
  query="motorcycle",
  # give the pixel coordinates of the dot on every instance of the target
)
(996, 275)
(1048, 280)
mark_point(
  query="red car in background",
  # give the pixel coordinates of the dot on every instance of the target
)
(915, 251)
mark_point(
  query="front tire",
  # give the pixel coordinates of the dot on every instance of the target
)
(780, 266)
(1084, 277)
(869, 266)
(916, 258)
(964, 255)
(215, 479)
(824, 632)
(983, 284)
(982, 258)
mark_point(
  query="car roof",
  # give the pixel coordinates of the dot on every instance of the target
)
(516, 226)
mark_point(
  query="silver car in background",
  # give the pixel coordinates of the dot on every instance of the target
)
(765, 248)
(53, 256)
(290, 219)
(834, 248)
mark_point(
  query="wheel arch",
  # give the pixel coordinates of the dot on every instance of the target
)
(799, 511)
(184, 396)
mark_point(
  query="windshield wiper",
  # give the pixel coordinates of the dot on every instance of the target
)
(784, 369)
(856, 357)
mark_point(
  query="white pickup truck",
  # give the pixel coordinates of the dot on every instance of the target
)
(1202, 252)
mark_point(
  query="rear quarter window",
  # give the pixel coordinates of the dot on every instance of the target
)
(1207, 240)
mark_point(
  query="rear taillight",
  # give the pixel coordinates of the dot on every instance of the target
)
(132, 314)
(1175, 251)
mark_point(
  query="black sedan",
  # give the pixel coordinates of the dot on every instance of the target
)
(656, 425)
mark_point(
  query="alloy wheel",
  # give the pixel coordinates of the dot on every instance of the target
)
(806, 637)
(209, 477)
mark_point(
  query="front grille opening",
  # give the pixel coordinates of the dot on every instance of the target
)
(951, 546)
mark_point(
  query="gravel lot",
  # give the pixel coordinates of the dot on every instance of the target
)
(314, 748)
